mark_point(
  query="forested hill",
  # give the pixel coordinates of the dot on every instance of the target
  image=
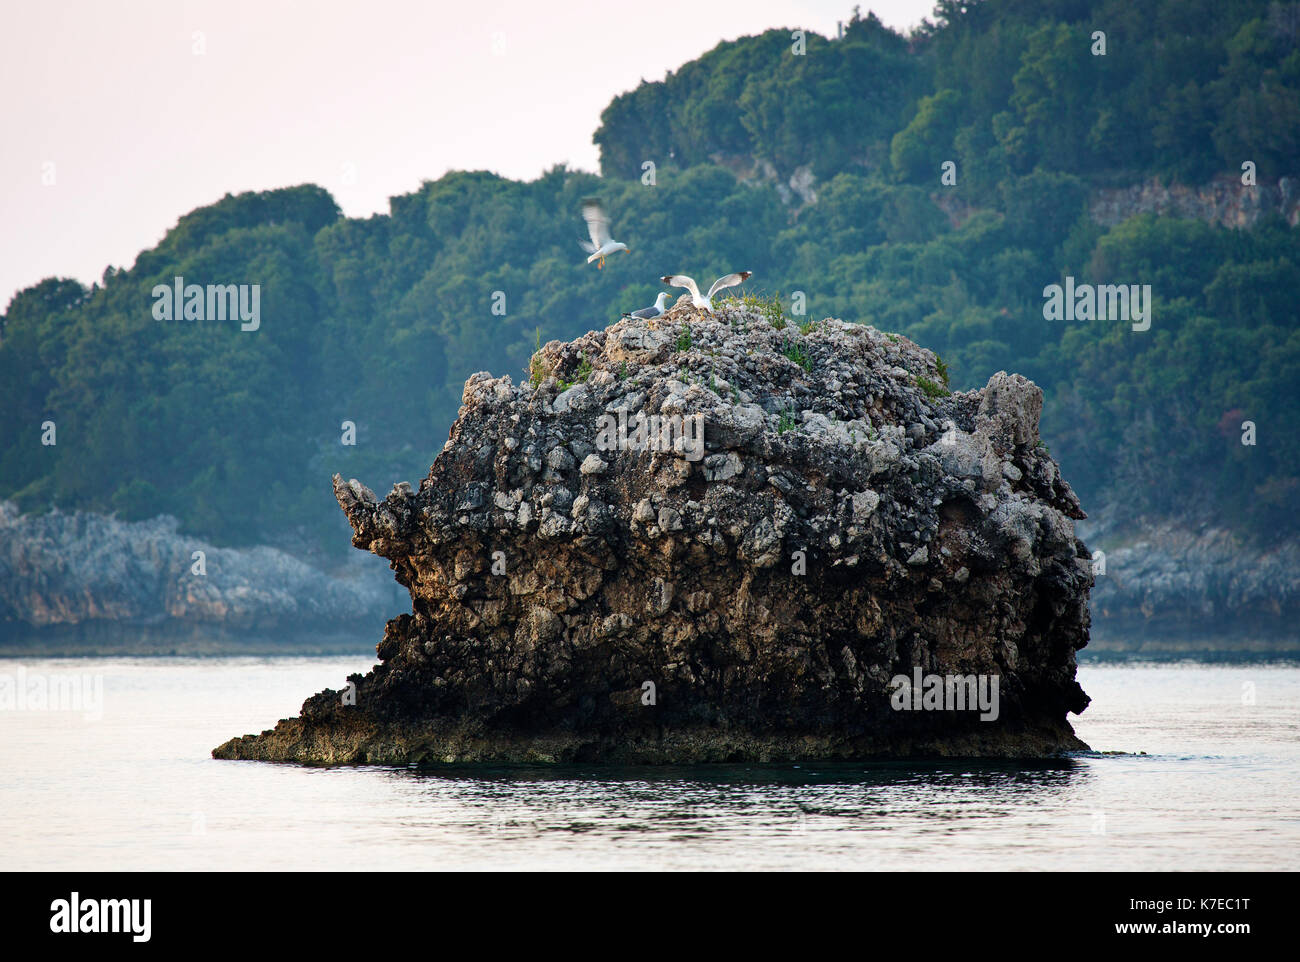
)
(1175, 88)
(378, 321)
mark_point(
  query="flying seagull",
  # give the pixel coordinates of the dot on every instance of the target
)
(706, 301)
(649, 312)
(601, 244)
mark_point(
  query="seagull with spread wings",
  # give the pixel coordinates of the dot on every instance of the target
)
(705, 301)
(601, 244)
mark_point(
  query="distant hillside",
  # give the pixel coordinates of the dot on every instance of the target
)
(1106, 90)
(378, 321)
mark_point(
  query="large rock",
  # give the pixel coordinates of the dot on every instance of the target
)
(753, 596)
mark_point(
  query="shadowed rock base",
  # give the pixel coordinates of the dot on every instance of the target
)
(360, 741)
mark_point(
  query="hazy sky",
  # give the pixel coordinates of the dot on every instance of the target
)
(117, 118)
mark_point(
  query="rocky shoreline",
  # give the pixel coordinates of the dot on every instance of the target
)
(1168, 590)
(80, 583)
(586, 586)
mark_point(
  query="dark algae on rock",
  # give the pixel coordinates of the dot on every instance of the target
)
(703, 538)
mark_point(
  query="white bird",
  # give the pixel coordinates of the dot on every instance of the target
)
(705, 301)
(601, 244)
(649, 312)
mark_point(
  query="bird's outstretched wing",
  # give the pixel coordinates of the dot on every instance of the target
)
(681, 280)
(731, 280)
(593, 212)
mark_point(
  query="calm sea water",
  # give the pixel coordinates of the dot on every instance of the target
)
(1218, 788)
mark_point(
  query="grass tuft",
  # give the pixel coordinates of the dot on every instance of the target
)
(795, 352)
(930, 388)
(537, 371)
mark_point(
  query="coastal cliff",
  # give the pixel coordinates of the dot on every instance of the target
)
(80, 582)
(1167, 589)
(810, 517)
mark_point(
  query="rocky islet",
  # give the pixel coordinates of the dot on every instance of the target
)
(847, 520)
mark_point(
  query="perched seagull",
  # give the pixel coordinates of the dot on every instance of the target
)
(601, 244)
(649, 312)
(706, 301)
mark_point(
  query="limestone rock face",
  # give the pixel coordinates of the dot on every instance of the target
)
(1169, 588)
(64, 570)
(806, 516)
(1224, 201)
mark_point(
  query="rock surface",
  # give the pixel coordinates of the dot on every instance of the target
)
(61, 571)
(1225, 201)
(844, 521)
(1164, 589)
